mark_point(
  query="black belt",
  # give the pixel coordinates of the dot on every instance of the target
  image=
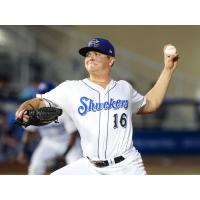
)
(105, 163)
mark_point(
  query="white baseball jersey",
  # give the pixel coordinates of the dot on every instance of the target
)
(102, 116)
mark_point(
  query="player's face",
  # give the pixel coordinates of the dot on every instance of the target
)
(95, 61)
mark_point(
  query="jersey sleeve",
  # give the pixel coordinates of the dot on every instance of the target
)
(137, 100)
(68, 123)
(59, 96)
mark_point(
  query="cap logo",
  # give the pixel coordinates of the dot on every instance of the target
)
(94, 43)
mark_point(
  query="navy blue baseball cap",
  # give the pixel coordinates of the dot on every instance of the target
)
(100, 45)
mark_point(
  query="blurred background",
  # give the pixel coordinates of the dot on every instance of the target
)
(168, 140)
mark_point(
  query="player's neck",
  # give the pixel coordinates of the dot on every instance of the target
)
(102, 81)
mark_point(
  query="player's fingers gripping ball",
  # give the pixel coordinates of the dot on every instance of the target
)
(170, 50)
(171, 53)
(170, 56)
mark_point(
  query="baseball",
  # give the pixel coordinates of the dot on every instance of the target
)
(170, 50)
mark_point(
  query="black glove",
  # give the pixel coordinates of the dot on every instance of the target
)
(41, 116)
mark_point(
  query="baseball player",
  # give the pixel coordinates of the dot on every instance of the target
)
(102, 109)
(55, 140)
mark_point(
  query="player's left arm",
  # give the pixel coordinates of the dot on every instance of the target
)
(155, 96)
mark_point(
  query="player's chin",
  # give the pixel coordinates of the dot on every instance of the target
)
(91, 67)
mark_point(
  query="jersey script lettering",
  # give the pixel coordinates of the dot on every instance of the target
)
(88, 105)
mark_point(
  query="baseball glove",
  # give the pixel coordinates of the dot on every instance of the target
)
(41, 116)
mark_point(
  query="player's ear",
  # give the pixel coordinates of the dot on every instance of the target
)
(112, 61)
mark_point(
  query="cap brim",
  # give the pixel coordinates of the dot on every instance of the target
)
(83, 51)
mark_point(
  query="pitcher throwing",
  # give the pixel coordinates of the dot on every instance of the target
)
(102, 109)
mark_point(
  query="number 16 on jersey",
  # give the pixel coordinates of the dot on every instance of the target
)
(120, 120)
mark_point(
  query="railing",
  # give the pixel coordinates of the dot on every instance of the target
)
(174, 114)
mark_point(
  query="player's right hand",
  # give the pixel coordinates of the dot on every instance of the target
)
(170, 61)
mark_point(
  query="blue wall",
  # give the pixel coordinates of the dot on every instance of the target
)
(167, 141)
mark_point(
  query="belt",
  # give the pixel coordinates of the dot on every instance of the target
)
(105, 163)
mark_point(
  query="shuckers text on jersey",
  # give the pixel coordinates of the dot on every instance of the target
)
(90, 105)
